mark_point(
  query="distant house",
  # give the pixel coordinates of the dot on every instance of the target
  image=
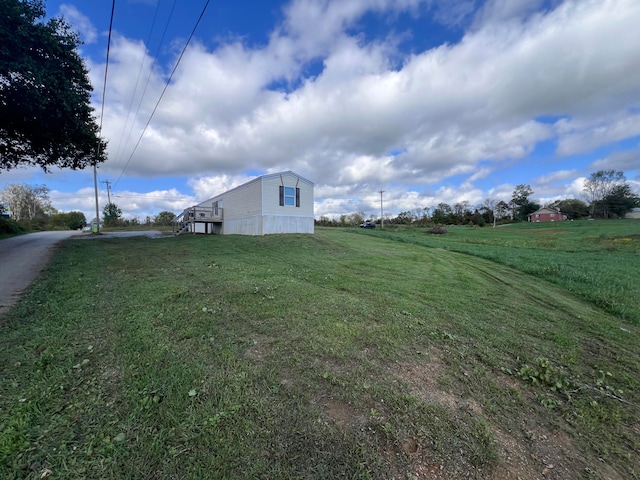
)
(546, 214)
(274, 203)
(634, 213)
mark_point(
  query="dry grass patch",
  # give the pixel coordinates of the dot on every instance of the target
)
(521, 453)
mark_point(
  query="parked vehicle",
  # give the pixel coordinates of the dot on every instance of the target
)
(368, 224)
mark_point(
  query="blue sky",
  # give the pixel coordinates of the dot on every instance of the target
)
(429, 100)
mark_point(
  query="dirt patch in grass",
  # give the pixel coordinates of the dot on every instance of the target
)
(260, 348)
(537, 454)
(423, 380)
(342, 414)
(522, 453)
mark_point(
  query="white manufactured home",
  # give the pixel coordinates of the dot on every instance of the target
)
(273, 203)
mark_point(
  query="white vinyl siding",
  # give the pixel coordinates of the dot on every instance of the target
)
(271, 195)
(254, 208)
(287, 224)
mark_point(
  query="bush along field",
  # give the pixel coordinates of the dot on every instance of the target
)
(481, 353)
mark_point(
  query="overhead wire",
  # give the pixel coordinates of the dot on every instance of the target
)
(193, 31)
(106, 66)
(104, 94)
(121, 146)
(147, 81)
(152, 197)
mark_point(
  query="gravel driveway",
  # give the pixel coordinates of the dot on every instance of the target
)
(22, 258)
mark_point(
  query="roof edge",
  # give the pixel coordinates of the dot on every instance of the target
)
(259, 179)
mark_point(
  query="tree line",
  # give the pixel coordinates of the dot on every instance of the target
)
(112, 217)
(26, 208)
(606, 195)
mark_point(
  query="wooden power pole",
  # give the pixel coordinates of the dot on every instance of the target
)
(381, 210)
(108, 189)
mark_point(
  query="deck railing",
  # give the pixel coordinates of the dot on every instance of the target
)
(192, 215)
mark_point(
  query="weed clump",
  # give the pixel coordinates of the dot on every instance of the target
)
(437, 230)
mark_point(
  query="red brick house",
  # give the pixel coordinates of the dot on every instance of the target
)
(546, 214)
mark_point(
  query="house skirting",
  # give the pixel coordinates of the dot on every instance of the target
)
(267, 225)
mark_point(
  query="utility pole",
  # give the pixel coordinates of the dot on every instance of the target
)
(381, 210)
(95, 187)
(108, 189)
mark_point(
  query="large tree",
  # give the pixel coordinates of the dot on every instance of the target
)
(522, 205)
(25, 202)
(609, 194)
(46, 118)
(111, 214)
(164, 218)
(620, 201)
(443, 214)
(573, 208)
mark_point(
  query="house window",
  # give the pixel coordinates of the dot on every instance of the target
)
(553, 215)
(289, 196)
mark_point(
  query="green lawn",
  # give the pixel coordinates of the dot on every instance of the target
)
(598, 260)
(346, 354)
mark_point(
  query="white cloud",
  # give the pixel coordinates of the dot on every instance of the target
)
(454, 13)
(502, 192)
(145, 204)
(479, 174)
(316, 25)
(465, 102)
(207, 187)
(625, 161)
(575, 189)
(575, 137)
(133, 204)
(558, 176)
(496, 12)
(80, 22)
(459, 109)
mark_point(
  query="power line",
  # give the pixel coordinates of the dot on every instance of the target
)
(135, 89)
(204, 9)
(381, 210)
(75, 196)
(122, 146)
(106, 67)
(104, 92)
(150, 197)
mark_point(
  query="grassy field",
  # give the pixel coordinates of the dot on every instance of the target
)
(346, 354)
(597, 260)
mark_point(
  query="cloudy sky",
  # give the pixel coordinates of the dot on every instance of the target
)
(429, 100)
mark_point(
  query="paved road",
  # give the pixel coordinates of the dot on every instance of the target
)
(22, 258)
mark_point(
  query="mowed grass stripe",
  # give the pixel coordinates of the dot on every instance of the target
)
(325, 356)
(598, 260)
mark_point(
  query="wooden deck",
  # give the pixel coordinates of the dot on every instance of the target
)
(186, 221)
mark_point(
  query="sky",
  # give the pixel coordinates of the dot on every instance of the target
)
(429, 101)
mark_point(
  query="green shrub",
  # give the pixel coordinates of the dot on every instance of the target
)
(9, 227)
